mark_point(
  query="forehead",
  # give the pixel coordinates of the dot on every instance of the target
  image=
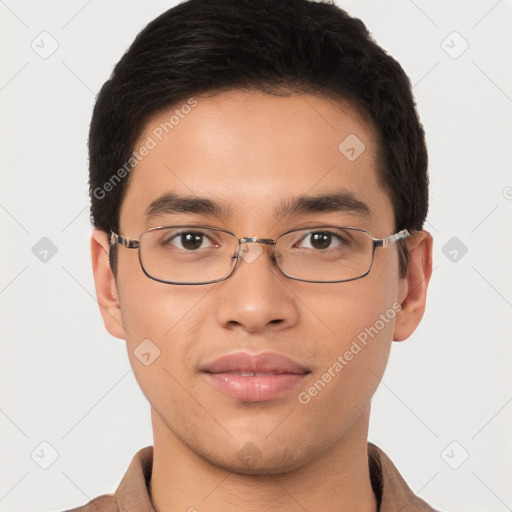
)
(253, 153)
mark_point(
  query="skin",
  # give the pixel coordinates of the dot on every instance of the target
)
(248, 151)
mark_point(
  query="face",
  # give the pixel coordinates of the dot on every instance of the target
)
(251, 154)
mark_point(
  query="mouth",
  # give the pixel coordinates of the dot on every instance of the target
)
(254, 377)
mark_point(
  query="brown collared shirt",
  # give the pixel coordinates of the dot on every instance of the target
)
(132, 495)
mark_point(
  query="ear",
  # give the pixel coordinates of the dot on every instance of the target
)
(413, 288)
(105, 284)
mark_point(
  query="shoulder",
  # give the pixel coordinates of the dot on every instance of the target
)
(390, 488)
(105, 503)
(132, 492)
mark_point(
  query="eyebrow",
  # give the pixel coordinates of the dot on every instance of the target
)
(339, 201)
(173, 203)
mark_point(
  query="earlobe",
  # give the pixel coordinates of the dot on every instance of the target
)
(105, 284)
(413, 289)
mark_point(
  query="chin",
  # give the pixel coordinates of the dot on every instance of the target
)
(250, 460)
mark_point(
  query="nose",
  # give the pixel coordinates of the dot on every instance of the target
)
(257, 296)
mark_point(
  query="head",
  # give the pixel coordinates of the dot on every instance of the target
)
(247, 106)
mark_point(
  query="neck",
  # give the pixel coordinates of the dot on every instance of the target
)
(336, 480)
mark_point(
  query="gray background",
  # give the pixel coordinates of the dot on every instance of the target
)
(446, 394)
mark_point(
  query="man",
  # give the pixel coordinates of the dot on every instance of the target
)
(258, 178)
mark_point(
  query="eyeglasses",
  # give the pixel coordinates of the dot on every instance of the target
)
(204, 255)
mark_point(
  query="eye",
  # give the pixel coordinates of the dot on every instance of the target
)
(190, 240)
(321, 240)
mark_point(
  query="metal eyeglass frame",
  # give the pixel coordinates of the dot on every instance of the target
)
(130, 243)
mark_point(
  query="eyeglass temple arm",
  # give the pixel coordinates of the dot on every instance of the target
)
(384, 242)
(125, 242)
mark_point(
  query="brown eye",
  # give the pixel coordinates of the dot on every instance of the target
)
(188, 241)
(321, 240)
(191, 241)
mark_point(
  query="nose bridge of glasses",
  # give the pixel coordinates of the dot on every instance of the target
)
(256, 240)
(244, 245)
(250, 247)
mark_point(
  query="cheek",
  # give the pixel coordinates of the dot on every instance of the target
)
(151, 309)
(161, 323)
(344, 310)
(357, 319)
(353, 363)
(161, 327)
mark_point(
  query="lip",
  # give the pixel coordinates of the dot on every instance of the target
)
(254, 377)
